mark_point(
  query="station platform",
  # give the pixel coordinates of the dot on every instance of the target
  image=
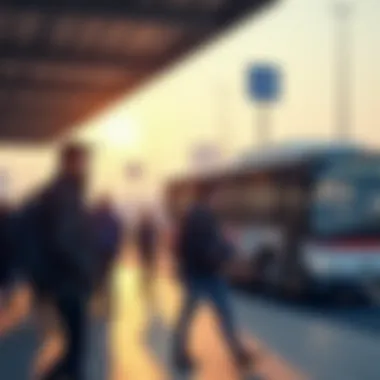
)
(135, 344)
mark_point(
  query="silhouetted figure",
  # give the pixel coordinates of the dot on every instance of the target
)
(202, 254)
(108, 235)
(57, 257)
(147, 244)
(6, 254)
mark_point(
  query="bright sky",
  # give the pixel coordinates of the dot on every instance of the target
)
(203, 99)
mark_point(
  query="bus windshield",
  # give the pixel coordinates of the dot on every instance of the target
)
(346, 199)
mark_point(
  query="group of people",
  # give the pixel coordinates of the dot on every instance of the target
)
(66, 249)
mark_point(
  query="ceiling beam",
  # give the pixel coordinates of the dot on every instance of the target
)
(44, 127)
(164, 11)
(63, 87)
(45, 54)
(186, 14)
(200, 22)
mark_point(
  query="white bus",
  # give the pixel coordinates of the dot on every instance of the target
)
(306, 218)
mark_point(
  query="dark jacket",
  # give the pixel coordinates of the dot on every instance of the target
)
(107, 229)
(200, 247)
(59, 232)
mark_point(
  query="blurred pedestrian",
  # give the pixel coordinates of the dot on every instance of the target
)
(6, 254)
(202, 255)
(108, 233)
(147, 236)
(56, 231)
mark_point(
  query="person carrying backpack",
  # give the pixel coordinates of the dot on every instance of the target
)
(202, 254)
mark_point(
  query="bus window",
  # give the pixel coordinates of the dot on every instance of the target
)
(346, 198)
(262, 200)
(333, 191)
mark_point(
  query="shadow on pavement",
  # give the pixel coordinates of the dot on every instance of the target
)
(19, 347)
(16, 353)
(365, 318)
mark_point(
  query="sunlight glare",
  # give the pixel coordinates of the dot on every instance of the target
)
(120, 132)
(113, 130)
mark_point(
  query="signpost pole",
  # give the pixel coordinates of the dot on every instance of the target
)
(222, 103)
(263, 125)
(343, 12)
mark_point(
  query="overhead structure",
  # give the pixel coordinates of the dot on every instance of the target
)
(63, 60)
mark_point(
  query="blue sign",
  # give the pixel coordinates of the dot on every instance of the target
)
(264, 82)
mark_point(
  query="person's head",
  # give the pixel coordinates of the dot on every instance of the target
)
(74, 160)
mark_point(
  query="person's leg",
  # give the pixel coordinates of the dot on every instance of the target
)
(59, 368)
(3, 297)
(46, 320)
(145, 278)
(105, 291)
(74, 310)
(217, 291)
(148, 278)
(4, 286)
(72, 307)
(193, 293)
(109, 296)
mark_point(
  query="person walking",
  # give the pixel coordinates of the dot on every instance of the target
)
(57, 257)
(202, 255)
(147, 243)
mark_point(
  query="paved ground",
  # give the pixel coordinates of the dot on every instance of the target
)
(324, 342)
(294, 342)
(139, 344)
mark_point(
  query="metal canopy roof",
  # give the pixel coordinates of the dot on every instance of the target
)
(62, 60)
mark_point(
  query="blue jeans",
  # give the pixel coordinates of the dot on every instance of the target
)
(215, 290)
